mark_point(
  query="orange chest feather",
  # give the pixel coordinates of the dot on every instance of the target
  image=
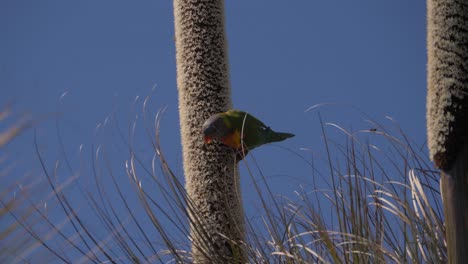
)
(233, 140)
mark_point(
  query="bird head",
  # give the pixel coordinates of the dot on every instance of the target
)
(214, 128)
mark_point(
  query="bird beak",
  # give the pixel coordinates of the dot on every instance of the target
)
(208, 139)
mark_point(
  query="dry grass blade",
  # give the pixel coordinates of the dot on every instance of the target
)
(371, 198)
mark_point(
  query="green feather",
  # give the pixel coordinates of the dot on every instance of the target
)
(273, 136)
(255, 133)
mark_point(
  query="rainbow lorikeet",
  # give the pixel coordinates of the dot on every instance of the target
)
(235, 127)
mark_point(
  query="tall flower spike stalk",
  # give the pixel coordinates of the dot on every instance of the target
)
(447, 114)
(212, 180)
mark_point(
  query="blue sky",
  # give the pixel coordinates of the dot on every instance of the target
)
(284, 58)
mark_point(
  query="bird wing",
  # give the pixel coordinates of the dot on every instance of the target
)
(252, 129)
(237, 118)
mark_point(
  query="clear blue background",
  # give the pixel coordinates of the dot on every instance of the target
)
(285, 56)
